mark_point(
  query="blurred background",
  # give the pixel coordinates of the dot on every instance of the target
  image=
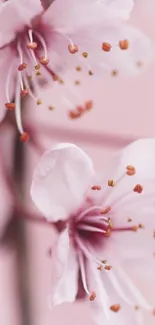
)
(124, 110)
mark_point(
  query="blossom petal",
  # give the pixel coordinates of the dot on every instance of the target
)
(18, 13)
(115, 62)
(128, 207)
(103, 310)
(65, 16)
(64, 271)
(61, 180)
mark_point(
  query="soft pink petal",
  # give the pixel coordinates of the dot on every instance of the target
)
(102, 284)
(64, 271)
(18, 13)
(61, 180)
(127, 204)
(90, 39)
(71, 15)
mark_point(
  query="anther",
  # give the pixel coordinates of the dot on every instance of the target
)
(99, 268)
(129, 219)
(138, 188)
(10, 106)
(96, 187)
(32, 45)
(136, 307)
(77, 82)
(124, 44)
(51, 108)
(74, 115)
(92, 296)
(85, 54)
(39, 102)
(90, 72)
(22, 66)
(88, 105)
(111, 183)
(73, 48)
(104, 261)
(130, 170)
(134, 228)
(108, 233)
(38, 73)
(80, 109)
(139, 64)
(78, 68)
(114, 73)
(106, 47)
(44, 60)
(37, 66)
(115, 308)
(108, 267)
(105, 210)
(24, 92)
(24, 137)
(141, 226)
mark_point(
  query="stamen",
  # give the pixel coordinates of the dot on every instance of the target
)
(43, 60)
(108, 267)
(85, 212)
(10, 106)
(88, 105)
(83, 273)
(24, 135)
(91, 228)
(22, 66)
(106, 47)
(73, 48)
(115, 308)
(138, 188)
(32, 45)
(92, 296)
(96, 187)
(24, 92)
(85, 54)
(124, 44)
(105, 210)
(78, 68)
(131, 170)
(7, 87)
(111, 183)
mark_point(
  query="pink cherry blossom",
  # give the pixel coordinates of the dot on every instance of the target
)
(45, 37)
(109, 218)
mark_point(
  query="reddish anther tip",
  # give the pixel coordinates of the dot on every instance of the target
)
(138, 188)
(124, 44)
(96, 187)
(32, 45)
(92, 296)
(106, 47)
(44, 60)
(73, 48)
(24, 137)
(10, 106)
(24, 92)
(88, 105)
(22, 66)
(115, 308)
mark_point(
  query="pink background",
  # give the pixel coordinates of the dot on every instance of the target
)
(124, 110)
